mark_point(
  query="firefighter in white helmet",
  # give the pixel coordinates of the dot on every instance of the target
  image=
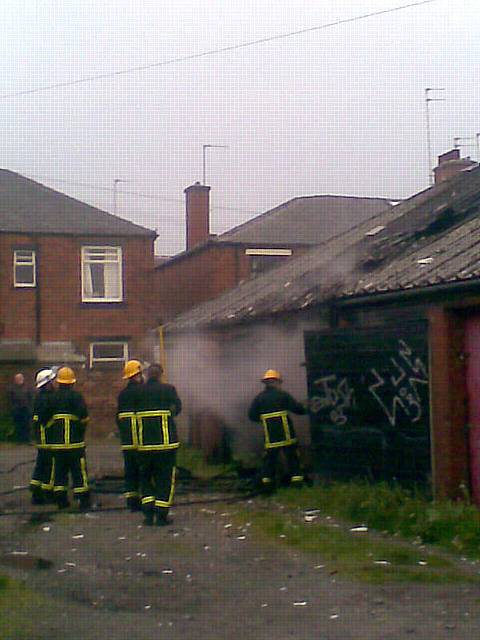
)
(41, 484)
(271, 408)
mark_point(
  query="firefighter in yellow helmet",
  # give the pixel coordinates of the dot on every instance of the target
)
(271, 408)
(65, 431)
(127, 404)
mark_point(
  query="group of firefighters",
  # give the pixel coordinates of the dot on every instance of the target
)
(149, 441)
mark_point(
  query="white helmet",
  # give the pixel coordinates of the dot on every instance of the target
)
(45, 376)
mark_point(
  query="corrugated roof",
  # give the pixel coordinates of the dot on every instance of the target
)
(378, 253)
(27, 206)
(306, 220)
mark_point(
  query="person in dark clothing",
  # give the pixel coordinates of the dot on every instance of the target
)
(158, 403)
(271, 408)
(41, 484)
(64, 433)
(127, 426)
(20, 397)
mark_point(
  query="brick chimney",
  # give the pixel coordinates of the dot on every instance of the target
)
(449, 164)
(197, 202)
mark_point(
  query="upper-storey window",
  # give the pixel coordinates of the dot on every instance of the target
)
(102, 274)
(24, 268)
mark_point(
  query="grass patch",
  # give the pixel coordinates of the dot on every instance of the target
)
(20, 610)
(7, 428)
(194, 461)
(454, 526)
(353, 555)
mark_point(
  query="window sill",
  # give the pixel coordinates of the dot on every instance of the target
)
(101, 304)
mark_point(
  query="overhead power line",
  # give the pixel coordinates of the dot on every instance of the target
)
(233, 47)
(147, 196)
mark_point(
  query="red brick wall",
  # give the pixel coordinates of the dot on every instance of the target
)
(199, 276)
(63, 316)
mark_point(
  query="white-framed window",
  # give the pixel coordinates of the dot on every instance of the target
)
(24, 272)
(104, 352)
(102, 274)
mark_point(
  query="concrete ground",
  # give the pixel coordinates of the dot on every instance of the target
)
(206, 577)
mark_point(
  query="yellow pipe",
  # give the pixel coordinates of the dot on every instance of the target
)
(163, 357)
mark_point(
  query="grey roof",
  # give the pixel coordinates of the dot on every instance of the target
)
(439, 222)
(307, 220)
(27, 206)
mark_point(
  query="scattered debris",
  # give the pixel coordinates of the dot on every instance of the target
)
(300, 603)
(381, 562)
(167, 571)
(78, 536)
(424, 260)
(319, 566)
(46, 529)
(361, 528)
(307, 518)
(227, 526)
(334, 616)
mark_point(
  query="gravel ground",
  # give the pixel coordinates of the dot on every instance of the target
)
(198, 578)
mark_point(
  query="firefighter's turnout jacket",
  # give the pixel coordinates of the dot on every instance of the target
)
(271, 408)
(158, 403)
(126, 419)
(67, 422)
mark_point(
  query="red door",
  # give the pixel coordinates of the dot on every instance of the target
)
(472, 349)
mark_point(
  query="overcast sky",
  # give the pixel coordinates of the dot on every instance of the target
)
(335, 111)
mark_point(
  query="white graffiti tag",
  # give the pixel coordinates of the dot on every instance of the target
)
(398, 388)
(336, 395)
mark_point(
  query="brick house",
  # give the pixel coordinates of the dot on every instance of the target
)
(214, 264)
(74, 283)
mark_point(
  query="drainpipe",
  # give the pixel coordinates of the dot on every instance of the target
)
(163, 358)
(38, 299)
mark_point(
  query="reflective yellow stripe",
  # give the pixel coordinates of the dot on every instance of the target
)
(264, 417)
(51, 482)
(296, 479)
(131, 494)
(163, 503)
(42, 435)
(133, 427)
(158, 447)
(83, 468)
(76, 445)
(164, 415)
(60, 488)
(35, 483)
(148, 499)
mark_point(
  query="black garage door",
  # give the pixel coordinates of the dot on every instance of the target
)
(369, 396)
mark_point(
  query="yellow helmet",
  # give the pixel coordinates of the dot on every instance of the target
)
(65, 375)
(271, 374)
(132, 368)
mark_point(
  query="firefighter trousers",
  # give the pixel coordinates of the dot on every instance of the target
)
(292, 461)
(70, 462)
(43, 476)
(132, 474)
(157, 479)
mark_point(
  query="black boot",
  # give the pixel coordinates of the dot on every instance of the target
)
(161, 517)
(134, 504)
(148, 516)
(85, 502)
(61, 498)
(38, 496)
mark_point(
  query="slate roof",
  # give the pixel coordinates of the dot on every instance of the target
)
(306, 220)
(27, 206)
(379, 254)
